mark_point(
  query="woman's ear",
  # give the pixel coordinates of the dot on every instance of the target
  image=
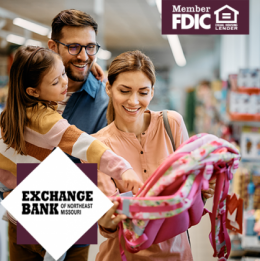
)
(32, 92)
(108, 89)
(152, 93)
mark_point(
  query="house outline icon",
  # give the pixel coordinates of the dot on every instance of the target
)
(226, 21)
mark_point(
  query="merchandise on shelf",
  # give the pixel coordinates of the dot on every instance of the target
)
(250, 143)
(239, 184)
(244, 103)
(244, 106)
(248, 78)
(244, 98)
(256, 180)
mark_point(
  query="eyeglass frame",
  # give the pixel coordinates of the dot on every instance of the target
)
(85, 46)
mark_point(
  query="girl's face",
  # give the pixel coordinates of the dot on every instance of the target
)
(54, 84)
(131, 94)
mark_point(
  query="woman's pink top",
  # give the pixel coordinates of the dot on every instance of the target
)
(144, 157)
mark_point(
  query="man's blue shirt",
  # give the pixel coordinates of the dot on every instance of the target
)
(86, 108)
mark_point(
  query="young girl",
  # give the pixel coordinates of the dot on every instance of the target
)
(31, 127)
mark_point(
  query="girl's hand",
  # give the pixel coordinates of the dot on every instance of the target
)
(210, 192)
(98, 72)
(131, 181)
(6, 194)
(109, 221)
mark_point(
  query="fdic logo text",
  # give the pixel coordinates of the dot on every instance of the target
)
(188, 21)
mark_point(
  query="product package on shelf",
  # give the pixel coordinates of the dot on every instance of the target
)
(244, 97)
(248, 78)
(240, 183)
(250, 143)
(244, 102)
(256, 180)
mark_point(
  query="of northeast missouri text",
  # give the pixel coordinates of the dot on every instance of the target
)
(38, 202)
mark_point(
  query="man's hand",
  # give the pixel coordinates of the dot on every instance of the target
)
(98, 72)
(131, 181)
(210, 192)
(109, 221)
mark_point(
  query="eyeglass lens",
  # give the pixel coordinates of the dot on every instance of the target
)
(91, 49)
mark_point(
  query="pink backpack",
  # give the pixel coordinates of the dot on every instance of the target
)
(172, 195)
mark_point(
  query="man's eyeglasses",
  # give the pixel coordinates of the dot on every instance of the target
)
(75, 48)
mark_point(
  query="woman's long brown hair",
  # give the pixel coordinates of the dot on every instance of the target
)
(30, 65)
(126, 62)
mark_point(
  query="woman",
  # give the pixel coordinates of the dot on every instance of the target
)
(139, 136)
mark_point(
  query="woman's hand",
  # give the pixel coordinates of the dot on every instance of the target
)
(109, 221)
(131, 181)
(210, 192)
(98, 72)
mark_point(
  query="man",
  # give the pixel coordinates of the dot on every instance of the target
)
(74, 38)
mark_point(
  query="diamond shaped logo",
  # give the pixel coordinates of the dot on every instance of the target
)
(57, 203)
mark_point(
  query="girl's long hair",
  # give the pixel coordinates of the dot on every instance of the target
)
(29, 67)
(126, 62)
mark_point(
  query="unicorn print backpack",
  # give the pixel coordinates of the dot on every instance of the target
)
(170, 201)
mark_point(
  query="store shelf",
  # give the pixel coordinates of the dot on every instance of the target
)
(250, 259)
(245, 118)
(237, 253)
(253, 90)
(251, 243)
(246, 123)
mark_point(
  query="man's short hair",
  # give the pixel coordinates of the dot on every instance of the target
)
(71, 17)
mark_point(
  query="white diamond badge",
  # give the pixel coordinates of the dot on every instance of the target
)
(57, 203)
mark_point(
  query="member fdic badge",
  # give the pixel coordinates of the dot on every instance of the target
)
(205, 17)
(56, 202)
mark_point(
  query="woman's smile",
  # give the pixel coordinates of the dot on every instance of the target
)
(131, 110)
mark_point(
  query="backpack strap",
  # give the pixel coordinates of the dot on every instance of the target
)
(169, 132)
(218, 216)
(168, 128)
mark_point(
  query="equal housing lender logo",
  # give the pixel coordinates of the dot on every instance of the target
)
(56, 203)
(205, 17)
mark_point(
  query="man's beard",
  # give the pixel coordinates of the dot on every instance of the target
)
(76, 78)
